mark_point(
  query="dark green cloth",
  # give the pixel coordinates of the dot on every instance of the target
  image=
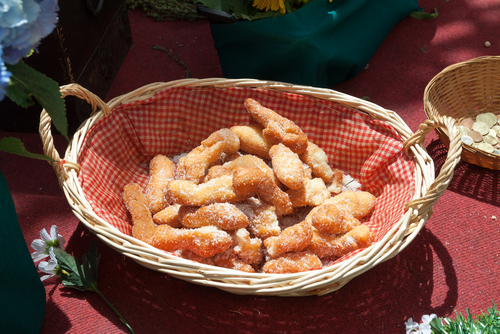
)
(321, 44)
(22, 294)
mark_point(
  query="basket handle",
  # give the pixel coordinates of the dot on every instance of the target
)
(45, 124)
(424, 204)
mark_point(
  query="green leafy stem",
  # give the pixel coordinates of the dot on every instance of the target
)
(83, 277)
(25, 84)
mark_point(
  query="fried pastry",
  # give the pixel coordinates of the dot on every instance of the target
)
(249, 160)
(133, 191)
(292, 239)
(219, 190)
(204, 241)
(277, 129)
(248, 249)
(193, 166)
(216, 171)
(143, 227)
(262, 219)
(229, 259)
(248, 181)
(335, 185)
(333, 220)
(359, 203)
(292, 263)
(287, 166)
(168, 216)
(252, 140)
(312, 193)
(327, 245)
(316, 158)
(161, 171)
(224, 216)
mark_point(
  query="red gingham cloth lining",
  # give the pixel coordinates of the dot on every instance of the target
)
(118, 148)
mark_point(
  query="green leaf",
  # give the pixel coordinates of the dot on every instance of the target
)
(15, 146)
(437, 326)
(82, 277)
(90, 264)
(27, 82)
(214, 4)
(424, 16)
(69, 265)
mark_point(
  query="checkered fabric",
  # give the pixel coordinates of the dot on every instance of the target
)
(117, 150)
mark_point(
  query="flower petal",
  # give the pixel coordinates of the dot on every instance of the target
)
(53, 232)
(42, 265)
(38, 245)
(426, 319)
(43, 278)
(37, 256)
(410, 325)
(62, 241)
(44, 235)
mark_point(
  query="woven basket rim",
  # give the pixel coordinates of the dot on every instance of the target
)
(318, 282)
(474, 67)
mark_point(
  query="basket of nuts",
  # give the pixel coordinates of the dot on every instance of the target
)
(469, 92)
(248, 186)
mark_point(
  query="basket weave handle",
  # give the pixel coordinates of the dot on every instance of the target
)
(45, 125)
(436, 189)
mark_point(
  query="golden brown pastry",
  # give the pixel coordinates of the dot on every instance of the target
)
(219, 190)
(277, 129)
(205, 241)
(248, 249)
(248, 160)
(194, 165)
(133, 191)
(333, 220)
(161, 171)
(328, 245)
(252, 140)
(248, 181)
(168, 216)
(292, 239)
(143, 227)
(287, 166)
(262, 218)
(312, 193)
(224, 216)
(292, 263)
(359, 203)
(316, 158)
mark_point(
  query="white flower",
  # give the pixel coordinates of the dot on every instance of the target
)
(424, 328)
(426, 319)
(49, 267)
(41, 246)
(411, 325)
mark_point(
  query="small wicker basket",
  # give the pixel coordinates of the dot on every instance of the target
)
(463, 90)
(317, 107)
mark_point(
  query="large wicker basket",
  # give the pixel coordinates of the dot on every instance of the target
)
(405, 201)
(464, 90)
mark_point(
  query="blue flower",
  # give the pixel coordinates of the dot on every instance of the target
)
(23, 24)
(4, 76)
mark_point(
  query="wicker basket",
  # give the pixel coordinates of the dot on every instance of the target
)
(316, 107)
(464, 90)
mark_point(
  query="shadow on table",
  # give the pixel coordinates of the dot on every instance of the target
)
(469, 180)
(420, 280)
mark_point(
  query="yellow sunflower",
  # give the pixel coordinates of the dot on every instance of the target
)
(270, 5)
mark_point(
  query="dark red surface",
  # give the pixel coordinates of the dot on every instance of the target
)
(452, 263)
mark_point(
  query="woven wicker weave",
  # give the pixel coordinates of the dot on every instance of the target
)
(463, 90)
(426, 189)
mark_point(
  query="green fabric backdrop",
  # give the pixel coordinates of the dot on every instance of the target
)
(321, 44)
(22, 294)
